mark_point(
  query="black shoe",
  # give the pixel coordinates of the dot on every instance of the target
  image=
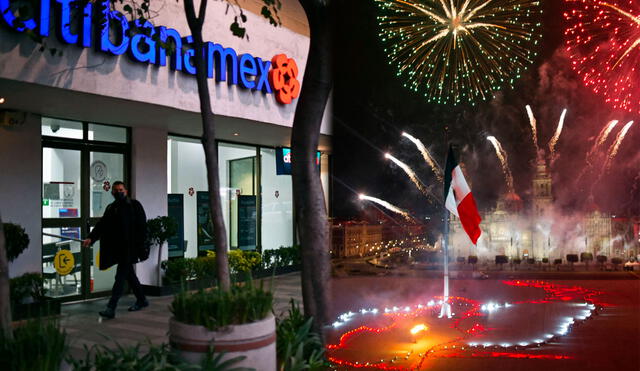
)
(108, 313)
(137, 306)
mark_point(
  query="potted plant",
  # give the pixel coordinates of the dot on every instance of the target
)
(236, 322)
(27, 292)
(586, 257)
(545, 261)
(16, 240)
(601, 259)
(159, 230)
(572, 258)
(28, 298)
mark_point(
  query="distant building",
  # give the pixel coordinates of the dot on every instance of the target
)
(349, 239)
(361, 238)
(512, 230)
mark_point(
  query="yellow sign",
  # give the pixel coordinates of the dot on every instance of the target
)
(64, 262)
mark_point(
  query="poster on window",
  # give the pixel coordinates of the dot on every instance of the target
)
(176, 212)
(247, 220)
(205, 224)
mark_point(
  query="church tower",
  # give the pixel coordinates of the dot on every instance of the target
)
(542, 207)
(542, 197)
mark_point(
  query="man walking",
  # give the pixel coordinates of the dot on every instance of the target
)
(122, 232)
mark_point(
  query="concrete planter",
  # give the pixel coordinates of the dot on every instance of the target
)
(256, 341)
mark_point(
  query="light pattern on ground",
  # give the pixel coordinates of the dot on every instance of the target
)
(382, 338)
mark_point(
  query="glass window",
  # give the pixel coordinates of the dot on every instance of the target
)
(66, 280)
(277, 204)
(106, 133)
(238, 183)
(60, 183)
(188, 180)
(105, 169)
(61, 128)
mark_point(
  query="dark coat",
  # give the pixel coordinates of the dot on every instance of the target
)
(122, 232)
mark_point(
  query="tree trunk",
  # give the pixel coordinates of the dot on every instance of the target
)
(5, 300)
(310, 207)
(209, 142)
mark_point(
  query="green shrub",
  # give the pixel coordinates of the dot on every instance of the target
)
(157, 358)
(204, 267)
(178, 270)
(215, 308)
(37, 345)
(16, 240)
(25, 286)
(281, 257)
(297, 347)
(244, 261)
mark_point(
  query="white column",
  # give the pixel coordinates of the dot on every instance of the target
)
(20, 188)
(149, 186)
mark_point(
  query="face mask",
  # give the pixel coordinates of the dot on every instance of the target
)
(119, 196)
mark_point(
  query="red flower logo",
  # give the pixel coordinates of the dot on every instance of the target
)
(282, 78)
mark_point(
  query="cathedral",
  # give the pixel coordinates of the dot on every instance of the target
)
(536, 232)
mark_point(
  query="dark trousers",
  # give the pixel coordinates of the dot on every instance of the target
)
(125, 272)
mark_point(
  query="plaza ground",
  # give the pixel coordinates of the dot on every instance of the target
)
(608, 341)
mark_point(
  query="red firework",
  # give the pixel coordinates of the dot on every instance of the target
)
(603, 41)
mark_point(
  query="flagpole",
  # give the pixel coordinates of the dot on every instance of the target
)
(445, 310)
(446, 307)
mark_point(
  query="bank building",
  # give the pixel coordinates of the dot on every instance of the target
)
(94, 104)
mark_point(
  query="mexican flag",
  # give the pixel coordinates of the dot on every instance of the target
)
(459, 200)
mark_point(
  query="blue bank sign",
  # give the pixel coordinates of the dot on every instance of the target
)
(112, 35)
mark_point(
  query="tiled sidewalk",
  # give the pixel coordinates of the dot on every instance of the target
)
(85, 327)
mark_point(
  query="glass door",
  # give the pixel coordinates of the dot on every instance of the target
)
(62, 208)
(104, 169)
(80, 162)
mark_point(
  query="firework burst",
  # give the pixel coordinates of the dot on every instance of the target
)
(534, 126)
(410, 173)
(603, 41)
(556, 136)
(604, 133)
(502, 156)
(425, 154)
(387, 206)
(458, 51)
(613, 150)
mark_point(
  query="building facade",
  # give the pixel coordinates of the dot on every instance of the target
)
(95, 104)
(537, 232)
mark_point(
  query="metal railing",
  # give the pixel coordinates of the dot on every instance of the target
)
(61, 237)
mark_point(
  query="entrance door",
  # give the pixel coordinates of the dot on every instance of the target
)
(243, 208)
(80, 162)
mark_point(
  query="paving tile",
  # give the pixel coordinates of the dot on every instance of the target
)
(85, 327)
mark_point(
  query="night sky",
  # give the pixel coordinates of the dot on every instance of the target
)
(372, 109)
